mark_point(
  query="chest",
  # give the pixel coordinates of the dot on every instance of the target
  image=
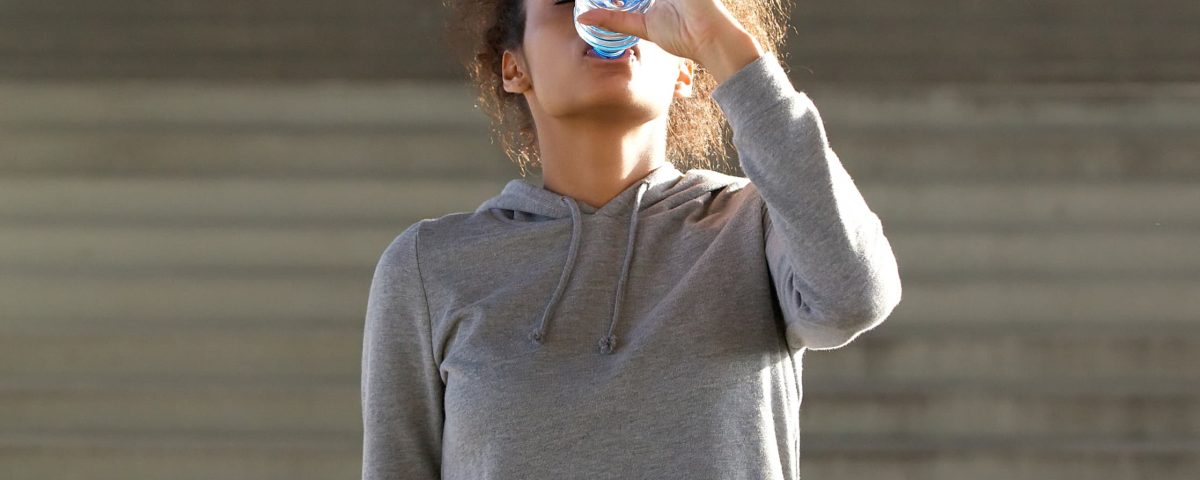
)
(700, 338)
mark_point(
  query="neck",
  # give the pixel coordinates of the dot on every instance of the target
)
(594, 163)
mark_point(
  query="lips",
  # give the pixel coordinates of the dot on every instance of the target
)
(587, 51)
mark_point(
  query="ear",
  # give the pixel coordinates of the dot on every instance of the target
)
(513, 68)
(683, 84)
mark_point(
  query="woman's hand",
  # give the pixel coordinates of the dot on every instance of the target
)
(701, 30)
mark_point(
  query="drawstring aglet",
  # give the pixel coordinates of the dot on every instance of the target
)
(606, 344)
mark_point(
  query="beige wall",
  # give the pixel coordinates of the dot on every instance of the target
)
(190, 214)
(832, 41)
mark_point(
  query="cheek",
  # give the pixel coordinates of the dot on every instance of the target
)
(663, 69)
(548, 42)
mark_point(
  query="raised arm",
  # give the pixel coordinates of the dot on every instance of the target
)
(832, 267)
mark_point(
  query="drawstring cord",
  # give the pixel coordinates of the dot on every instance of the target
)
(609, 341)
(538, 335)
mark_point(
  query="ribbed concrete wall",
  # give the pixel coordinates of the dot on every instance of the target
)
(832, 41)
(189, 219)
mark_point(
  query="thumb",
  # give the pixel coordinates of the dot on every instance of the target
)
(628, 23)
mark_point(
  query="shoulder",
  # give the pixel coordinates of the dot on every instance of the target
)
(704, 175)
(429, 237)
(728, 190)
(400, 255)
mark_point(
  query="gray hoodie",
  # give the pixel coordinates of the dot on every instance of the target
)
(658, 336)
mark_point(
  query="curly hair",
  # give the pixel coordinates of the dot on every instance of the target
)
(479, 31)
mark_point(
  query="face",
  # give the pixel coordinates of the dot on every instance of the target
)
(558, 79)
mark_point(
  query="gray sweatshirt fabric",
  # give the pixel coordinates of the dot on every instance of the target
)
(659, 336)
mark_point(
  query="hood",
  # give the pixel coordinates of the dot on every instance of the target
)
(663, 188)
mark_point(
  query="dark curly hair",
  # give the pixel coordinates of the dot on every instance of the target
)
(479, 31)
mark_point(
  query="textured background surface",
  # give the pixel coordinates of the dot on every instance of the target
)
(193, 196)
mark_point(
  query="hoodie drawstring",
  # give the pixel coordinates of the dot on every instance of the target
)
(609, 341)
(538, 335)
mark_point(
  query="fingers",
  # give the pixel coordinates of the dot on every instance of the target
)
(621, 22)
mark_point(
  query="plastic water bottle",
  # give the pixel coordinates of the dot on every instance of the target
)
(606, 43)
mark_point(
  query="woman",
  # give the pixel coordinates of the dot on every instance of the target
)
(625, 319)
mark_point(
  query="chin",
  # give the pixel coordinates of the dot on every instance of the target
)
(631, 106)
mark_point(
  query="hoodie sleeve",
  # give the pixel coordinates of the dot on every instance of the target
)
(831, 265)
(401, 385)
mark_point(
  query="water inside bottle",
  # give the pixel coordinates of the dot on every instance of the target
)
(606, 43)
